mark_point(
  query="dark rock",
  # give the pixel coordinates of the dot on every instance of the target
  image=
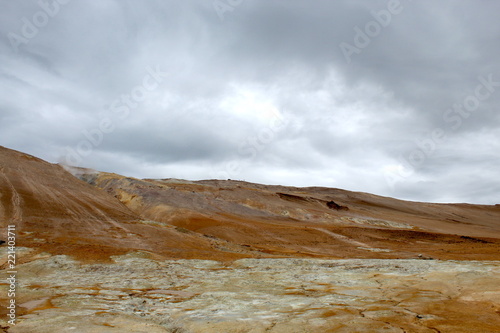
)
(333, 205)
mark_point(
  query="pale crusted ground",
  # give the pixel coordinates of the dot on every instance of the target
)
(138, 294)
(104, 255)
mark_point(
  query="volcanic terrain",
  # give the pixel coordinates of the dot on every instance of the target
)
(171, 255)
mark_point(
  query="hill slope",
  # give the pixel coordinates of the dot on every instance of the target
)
(133, 225)
(213, 219)
(58, 213)
(314, 222)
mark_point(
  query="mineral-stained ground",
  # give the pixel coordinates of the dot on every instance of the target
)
(100, 252)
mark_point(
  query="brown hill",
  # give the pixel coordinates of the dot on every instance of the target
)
(110, 214)
(102, 214)
(58, 213)
(261, 220)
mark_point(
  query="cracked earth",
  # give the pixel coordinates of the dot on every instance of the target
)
(135, 293)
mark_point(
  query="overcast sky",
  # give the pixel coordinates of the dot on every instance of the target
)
(393, 98)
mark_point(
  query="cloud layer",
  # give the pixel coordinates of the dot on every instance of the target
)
(398, 98)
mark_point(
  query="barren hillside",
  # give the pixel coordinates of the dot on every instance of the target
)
(57, 213)
(226, 219)
(100, 252)
(258, 220)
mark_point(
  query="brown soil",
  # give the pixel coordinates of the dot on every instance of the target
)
(108, 214)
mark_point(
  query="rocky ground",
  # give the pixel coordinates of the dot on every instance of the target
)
(135, 293)
(100, 252)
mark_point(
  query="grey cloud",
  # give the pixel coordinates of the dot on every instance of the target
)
(355, 125)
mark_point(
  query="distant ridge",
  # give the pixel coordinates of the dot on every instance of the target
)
(92, 215)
